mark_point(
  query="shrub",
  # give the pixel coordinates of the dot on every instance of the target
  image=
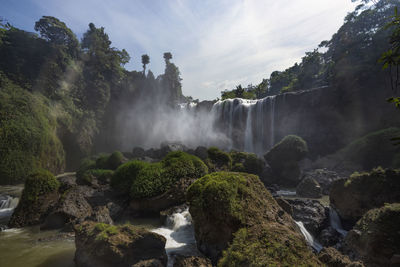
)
(86, 164)
(115, 160)
(179, 164)
(125, 174)
(39, 183)
(28, 139)
(246, 162)
(220, 159)
(150, 181)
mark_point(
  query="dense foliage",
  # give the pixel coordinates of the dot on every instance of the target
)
(39, 183)
(350, 56)
(143, 179)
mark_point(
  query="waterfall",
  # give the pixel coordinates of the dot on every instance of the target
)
(7, 206)
(179, 233)
(335, 222)
(248, 124)
(309, 238)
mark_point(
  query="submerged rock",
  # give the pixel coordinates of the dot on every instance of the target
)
(309, 187)
(238, 223)
(361, 192)
(376, 236)
(103, 245)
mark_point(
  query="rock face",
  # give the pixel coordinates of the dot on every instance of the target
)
(362, 192)
(376, 236)
(238, 223)
(333, 258)
(324, 177)
(39, 197)
(191, 261)
(313, 215)
(103, 245)
(284, 160)
(309, 187)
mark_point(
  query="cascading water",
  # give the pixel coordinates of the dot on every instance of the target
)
(248, 124)
(309, 238)
(179, 233)
(7, 205)
(335, 222)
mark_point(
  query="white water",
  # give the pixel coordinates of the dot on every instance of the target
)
(335, 222)
(309, 238)
(248, 124)
(179, 233)
(285, 193)
(7, 206)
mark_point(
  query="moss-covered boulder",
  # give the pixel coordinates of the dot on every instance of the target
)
(246, 162)
(28, 139)
(39, 196)
(218, 160)
(333, 258)
(104, 245)
(238, 223)
(284, 158)
(376, 236)
(361, 192)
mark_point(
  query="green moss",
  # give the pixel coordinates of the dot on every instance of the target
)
(144, 179)
(101, 161)
(114, 160)
(221, 160)
(39, 183)
(372, 150)
(86, 164)
(101, 175)
(28, 137)
(246, 162)
(102, 231)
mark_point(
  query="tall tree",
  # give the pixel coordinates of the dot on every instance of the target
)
(167, 57)
(145, 61)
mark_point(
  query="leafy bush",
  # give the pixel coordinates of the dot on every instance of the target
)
(150, 181)
(221, 160)
(114, 160)
(125, 174)
(28, 139)
(39, 183)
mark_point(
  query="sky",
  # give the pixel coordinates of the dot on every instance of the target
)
(216, 44)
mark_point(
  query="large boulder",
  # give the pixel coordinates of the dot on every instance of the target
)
(284, 160)
(361, 192)
(38, 198)
(103, 245)
(309, 187)
(311, 212)
(238, 223)
(376, 236)
(324, 177)
(191, 261)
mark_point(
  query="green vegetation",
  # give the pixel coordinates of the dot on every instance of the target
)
(219, 160)
(285, 156)
(246, 162)
(142, 179)
(28, 137)
(39, 183)
(372, 150)
(239, 204)
(102, 231)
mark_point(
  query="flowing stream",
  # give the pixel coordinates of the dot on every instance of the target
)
(179, 233)
(309, 238)
(335, 222)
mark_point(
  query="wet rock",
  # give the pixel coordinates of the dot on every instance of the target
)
(103, 245)
(309, 187)
(329, 237)
(191, 261)
(311, 212)
(201, 152)
(324, 177)
(285, 205)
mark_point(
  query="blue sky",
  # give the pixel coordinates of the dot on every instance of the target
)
(215, 44)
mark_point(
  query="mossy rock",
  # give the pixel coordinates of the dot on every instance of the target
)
(87, 178)
(284, 159)
(373, 150)
(100, 244)
(28, 138)
(238, 223)
(40, 194)
(221, 160)
(361, 192)
(145, 180)
(250, 162)
(376, 236)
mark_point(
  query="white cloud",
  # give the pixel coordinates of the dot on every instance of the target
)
(216, 44)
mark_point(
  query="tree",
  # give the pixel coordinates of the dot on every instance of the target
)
(56, 32)
(145, 61)
(167, 57)
(239, 91)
